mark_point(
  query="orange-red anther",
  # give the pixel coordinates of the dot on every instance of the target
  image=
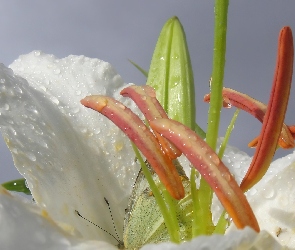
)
(142, 137)
(275, 114)
(206, 161)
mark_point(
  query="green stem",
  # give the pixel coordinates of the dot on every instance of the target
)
(205, 196)
(171, 205)
(221, 8)
(221, 224)
(169, 222)
(228, 133)
(205, 192)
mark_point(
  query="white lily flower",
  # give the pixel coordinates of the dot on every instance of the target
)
(73, 159)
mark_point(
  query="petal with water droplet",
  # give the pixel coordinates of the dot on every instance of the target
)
(69, 158)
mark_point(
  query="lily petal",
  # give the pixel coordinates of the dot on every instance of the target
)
(239, 239)
(26, 225)
(273, 200)
(67, 153)
(23, 224)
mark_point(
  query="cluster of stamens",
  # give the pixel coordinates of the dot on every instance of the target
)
(165, 139)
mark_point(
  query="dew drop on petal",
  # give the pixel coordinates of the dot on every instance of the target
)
(56, 71)
(252, 191)
(268, 193)
(75, 110)
(31, 156)
(37, 53)
(97, 131)
(54, 100)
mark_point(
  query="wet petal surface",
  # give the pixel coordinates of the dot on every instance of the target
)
(24, 224)
(67, 153)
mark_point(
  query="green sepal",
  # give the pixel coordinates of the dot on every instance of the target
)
(18, 185)
(171, 74)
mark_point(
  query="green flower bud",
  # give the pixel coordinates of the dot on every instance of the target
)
(171, 74)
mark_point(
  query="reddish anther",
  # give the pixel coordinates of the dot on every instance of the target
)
(257, 109)
(206, 161)
(145, 99)
(142, 137)
(275, 114)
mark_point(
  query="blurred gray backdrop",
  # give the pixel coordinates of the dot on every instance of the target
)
(116, 31)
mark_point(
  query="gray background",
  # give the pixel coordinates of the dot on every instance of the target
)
(116, 31)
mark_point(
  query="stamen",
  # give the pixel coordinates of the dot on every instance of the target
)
(145, 99)
(275, 114)
(257, 109)
(205, 160)
(142, 137)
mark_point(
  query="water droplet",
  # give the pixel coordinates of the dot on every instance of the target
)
(14, 150)
(31, 156)
(54, 100)
(120, 105)
(78, 92)
(2, 80)
(43, 144)
(226, 176)
(252, 191)
(97, 131)
(13, 131)
(43, 88)
(6, 106)
(47, 81)
(18, 89)
(37, 53)
(75, 110)
(32, 109)
(214, 158)
(268, 193)
(56, 71)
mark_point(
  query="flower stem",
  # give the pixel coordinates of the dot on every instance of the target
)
(221, 8)
(221, 224)
(205, 192)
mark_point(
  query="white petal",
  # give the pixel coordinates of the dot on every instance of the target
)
(273, 200)
(274, 203)
(25, 226)
(238, 239)
(71, 156)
